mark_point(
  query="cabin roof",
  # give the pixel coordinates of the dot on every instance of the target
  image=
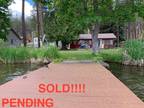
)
(100, 36)
(16, 34)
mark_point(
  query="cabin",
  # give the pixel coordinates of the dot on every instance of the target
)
(106, 40)
(14, 39)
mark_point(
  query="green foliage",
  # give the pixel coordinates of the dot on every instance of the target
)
(22, 54)
(2, 43)
(124, 13)
(59, 25)
(135, 48)
(13, 55)
(69, 18)
(111, 55)
(51, 27)
(77, 55)
(4, 18)
(51, 52)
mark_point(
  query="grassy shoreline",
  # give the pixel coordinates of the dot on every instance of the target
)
(111, 55)
(24, 55)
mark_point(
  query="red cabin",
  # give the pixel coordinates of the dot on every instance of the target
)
(106, 40)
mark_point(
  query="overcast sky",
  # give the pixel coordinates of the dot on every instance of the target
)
(16, 8)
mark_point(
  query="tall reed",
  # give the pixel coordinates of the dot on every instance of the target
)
(135, 48)
(12, 55)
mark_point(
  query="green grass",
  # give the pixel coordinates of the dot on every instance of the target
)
(76, 55)
(13, 55)
(112, 55)
(10, 55)
(135, 48)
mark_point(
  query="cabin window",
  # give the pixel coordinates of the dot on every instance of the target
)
(12, 41)
(108, 42)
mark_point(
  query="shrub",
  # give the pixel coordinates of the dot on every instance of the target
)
(22, 54)
(112, 55)
(3, 44)
(7, 55)
(13, 55)
(135, 49)
(51, 52)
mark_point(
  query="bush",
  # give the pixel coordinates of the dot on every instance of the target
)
(22, 54)
(51, 52)
(135, 49)
(112, 55)
(3, 43)
(13, 55)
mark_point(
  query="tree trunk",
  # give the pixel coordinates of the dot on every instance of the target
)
(23, 24)
(38, 23)
(118, 36)
(85, 4)
(64, 46)
(41, 20)
(95, 41)
(57, 43)
(95, 30)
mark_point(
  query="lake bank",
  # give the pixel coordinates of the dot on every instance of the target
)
(41, 55)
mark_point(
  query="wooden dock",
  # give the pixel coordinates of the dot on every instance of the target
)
(102, 89)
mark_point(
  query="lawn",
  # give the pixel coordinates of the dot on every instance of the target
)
(13, 55)
(111, 55)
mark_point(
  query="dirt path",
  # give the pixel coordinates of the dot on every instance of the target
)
(102, 89)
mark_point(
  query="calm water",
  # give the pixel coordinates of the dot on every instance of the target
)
(131, 76)
(9, 72)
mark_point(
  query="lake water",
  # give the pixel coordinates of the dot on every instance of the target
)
(131, 76)
(11, 71)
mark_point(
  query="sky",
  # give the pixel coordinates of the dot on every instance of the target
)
(16, 8)
(30, 1)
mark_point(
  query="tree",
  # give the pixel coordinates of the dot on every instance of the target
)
(110, 12)
(4, 18)
(23, 24)
(38, 22)
(74, 16)
(16, 24)
(59, 26)
(40, 29)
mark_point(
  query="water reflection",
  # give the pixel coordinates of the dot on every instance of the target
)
(131, 76)
(11, 71)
